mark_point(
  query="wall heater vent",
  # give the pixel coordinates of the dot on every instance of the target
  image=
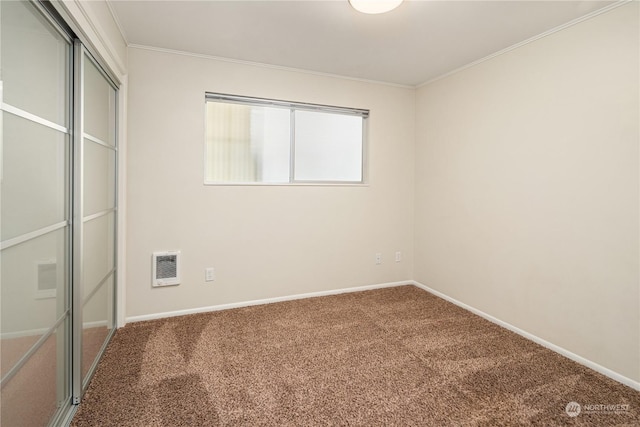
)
(47, 282)
(166, 268)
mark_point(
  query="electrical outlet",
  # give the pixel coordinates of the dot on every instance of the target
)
(398, 256)
(378, 258)
(209, 274)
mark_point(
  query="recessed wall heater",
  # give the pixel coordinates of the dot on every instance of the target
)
(166, 269)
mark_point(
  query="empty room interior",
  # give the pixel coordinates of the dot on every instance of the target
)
(416, 212)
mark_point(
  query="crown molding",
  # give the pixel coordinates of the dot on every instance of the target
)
(527, 41)
(263, 65)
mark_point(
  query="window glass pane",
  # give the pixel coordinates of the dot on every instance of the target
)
(34, 176)
(99, 105)
(255, 140)
(99, 177)
(97, 322)
(328, 147)
(34, 63)
(246, 143)
(32, 396)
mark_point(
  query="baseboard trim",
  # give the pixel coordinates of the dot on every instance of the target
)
(564, 352)
(25, 333)
(96, 324)
(207, 309)
(42, 331)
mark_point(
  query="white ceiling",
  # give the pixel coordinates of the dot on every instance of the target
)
(415, 43)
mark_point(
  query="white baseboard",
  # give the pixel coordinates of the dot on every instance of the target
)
(207, 309)
(564, 352)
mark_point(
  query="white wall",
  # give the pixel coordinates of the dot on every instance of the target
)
(527, 188)
(263, 241)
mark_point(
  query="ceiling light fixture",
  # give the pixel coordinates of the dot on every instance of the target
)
(374, 6)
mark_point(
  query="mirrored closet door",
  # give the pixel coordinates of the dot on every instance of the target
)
(94, 213)
(58, 207)
(35, 216)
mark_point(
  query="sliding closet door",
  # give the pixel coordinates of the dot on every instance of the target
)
(57, 215)
(95, 213)
(35, 213)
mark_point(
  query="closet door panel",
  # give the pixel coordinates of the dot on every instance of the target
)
(34, 176)
(97, 160)
(35, 231)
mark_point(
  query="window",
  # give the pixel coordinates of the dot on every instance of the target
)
(261, 141)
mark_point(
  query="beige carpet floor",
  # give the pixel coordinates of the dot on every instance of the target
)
(396, 356)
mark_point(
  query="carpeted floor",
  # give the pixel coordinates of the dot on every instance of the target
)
(396, 356)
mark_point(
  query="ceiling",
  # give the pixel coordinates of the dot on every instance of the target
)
(415, 43)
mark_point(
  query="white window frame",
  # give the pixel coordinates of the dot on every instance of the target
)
(292, 107)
